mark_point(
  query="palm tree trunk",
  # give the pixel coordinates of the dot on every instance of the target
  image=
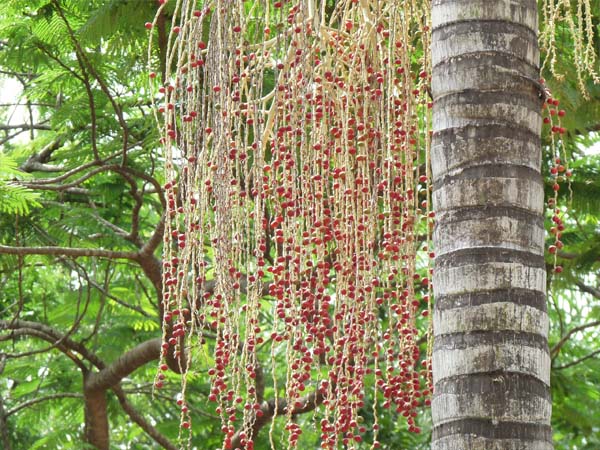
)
(491, 365)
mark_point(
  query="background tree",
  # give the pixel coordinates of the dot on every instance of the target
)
(80, 298)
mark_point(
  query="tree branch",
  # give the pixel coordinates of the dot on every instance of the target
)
(45, 398)
(568, 255)
(570, 333)
(588, 289)
(38, 162)
(124, 365)
(275, 408)
(51, 335)
(92, 70)
(25, 331)
(106, 376)
(25, 126)
(68, 251)
(143, 424)
(577, 361)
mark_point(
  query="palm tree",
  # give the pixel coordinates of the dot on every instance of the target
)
(491, 365)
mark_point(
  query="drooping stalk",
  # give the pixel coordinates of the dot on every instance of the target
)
(295, 155)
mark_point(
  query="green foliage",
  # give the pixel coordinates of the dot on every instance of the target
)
(14, 199)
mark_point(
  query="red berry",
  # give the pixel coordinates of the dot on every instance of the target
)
(148, 25)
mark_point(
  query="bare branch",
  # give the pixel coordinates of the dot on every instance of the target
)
(41, 184)
(17, 74)
(68, 251)
(25, 331)
(568, 255)
(38, 162)
(169, 398)
(75, 170)
(577, 361)
(45, 398)
(49, 334)
(92, 70)
(588, 289)
(25, 126)
(570, 333)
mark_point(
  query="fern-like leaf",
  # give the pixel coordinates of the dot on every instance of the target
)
(14, 199)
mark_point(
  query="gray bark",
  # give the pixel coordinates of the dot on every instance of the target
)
(491, 364)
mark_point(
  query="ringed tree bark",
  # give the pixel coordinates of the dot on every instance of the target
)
(491, 365)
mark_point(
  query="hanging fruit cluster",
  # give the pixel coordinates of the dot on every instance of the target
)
(559, 171)
(295, 138)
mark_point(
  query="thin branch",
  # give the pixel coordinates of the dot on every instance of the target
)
(41, 184)
(45, 398)
(11, 136)
(17, 74)
(25, 331)
(75, 170)
(68, 251)
(108, 224)
(25, 127)
(50, 54)
(9, 105)
(577, 361)
(568, 255)
(169, 398)
(51, 335)
(587, 289)
(92, 105)
(92, 70)
(570, 333)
